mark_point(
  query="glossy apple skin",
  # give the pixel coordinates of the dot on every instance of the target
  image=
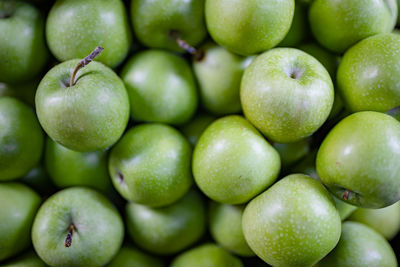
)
(74, 28)
(196, 126)
(18, 207)
(170, 229)
(385, 221)
(359, 245)
(161, 87)
(368, 75)
(361, 154)
(99, 228)
(27, 259)
(154, 20)
(299, 28)
(248, 27)
(226, 228)
(21, 139)
(23, 50)
(129, 256)
(339, 24)
(150, 165)
(293, 223)
(70, 168)
(232, 162)
(206, 255)
(89, 116)
(283, 108)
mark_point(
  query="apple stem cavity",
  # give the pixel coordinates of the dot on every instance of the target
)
(85, 62)
(346, 194)
(197, 53)
(68, 239)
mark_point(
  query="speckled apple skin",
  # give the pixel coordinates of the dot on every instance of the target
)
(368, 75)
(232, 162)
(339, 24)
(89, 116)
(359, 245)
(294, 223)
(362, 154)
(74, 28)
(153, 161)
(129, 256)
(248, 27)
(285, 109)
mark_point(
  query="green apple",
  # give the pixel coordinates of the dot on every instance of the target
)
(293, 223)
(74, 28)
(196, 126)
(27, 259)
(87, 115)
(368, 74)
(158, 23)
(226, 228)
(129, 256)
(150, 165)
(299, 28)
(359, 160)
(206, 255)
(328, 59)
(339, 24)
(21, 139)
(292, 152)
(170, 229)
(232, 162)
(70, 168)
(24, 91)
(385, 221)
(39, 180)
(219, 73)
(248, 27)
(360, 246)
(23, 50)
(286, 94)
(77, 227)
(161, 87)
(18, 207)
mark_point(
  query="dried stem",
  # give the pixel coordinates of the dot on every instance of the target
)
(198, 54)
(68, 239)
(84, 62)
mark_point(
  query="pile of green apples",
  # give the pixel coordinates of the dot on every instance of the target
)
(199, 133)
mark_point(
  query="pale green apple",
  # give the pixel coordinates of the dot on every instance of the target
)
(196, 126)
(27, 259)
(129, 256)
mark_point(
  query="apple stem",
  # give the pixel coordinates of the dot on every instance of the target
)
(84, 62)
(198, 54)
(346, 194)
(68, 240)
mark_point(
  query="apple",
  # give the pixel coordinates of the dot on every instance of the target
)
(292, 152)
(196, 126)
(248, 27)
(77, 226)
(286, 94)
(24, 91)
(359, 160)
(328, 59)
(232, 162)
(27, 259)
(293, 223)
(129, 256)
(21, 139)
(38, 179)
(299, 28)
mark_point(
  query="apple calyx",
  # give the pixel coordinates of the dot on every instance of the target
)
(295, 73)
(197, 53)
(84, 62)
(68, 239)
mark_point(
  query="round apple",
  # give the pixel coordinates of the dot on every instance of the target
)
(129, 256)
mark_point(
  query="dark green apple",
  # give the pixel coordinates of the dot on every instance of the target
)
(299, 28)
(293, 223)
(196, 126)
(24, 91)
(359, 160)
(21, 139)
(360, 246)
(328, 59)
(161, 87)
(150, 165)
(129, 256)
(248, 27)
(232, 162)
(77, 227)
(18, 207)
(170, 229)
(286, 94)
(27, 259)
(23, 51)
(39, 180)
(292, 152)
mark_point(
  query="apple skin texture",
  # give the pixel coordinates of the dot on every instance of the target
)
(339, 24)
(293, 223)
(21, 139)
(206, 255)
(154, 20)
(232, 162)
(362, 154)
(27, 259)
(161, 87)
(360, 246)
(23, 50)
(196, 126)
(98, 234)
(170, 229)
(368, 75)
(18, 207)
(248, 27)
(283, 108)
(74, 28)
(89, 116)
(150, 165)
(131, 257)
